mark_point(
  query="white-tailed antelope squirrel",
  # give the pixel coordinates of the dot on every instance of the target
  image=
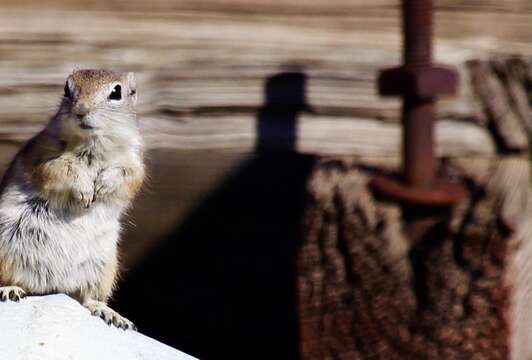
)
(62, 198)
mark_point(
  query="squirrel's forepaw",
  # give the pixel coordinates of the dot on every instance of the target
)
(100, 309)
(108, 182)
(13, 293)
(84, 192)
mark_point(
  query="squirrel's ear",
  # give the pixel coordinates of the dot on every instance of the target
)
(132, 86)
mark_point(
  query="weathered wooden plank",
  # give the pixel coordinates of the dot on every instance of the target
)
(248, 7)
(190, 62)
(367, 138)
(522, 274)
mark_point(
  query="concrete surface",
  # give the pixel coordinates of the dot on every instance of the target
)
(56, 327)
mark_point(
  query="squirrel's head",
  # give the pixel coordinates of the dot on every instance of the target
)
(99, 100)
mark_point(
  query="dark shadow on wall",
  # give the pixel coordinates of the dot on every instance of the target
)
(223, 285)
(284, 95)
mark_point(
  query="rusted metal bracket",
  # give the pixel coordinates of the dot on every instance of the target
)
(419, 82)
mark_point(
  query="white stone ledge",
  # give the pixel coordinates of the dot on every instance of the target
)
(56, 327)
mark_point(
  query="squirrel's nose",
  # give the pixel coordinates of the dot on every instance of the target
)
(81, 110)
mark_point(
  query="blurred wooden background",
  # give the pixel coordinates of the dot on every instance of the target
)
(203, 68)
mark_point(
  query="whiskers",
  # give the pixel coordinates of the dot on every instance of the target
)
(116, 117)
(109, 110)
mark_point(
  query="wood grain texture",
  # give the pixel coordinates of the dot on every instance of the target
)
(210, 58)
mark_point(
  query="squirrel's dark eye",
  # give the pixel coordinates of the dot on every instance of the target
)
(67, 91)
(116, 93)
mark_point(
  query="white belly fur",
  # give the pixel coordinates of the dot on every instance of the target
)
(55, 250)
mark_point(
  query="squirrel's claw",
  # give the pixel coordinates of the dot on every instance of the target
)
(84, 193)
(108, 182)
(13, 293)
(85, 198)
(108, 315)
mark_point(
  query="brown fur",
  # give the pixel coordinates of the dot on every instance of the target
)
(49, 168)
(133, 181)
(89, 81)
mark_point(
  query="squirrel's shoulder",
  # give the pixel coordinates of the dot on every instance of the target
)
(41, 147)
